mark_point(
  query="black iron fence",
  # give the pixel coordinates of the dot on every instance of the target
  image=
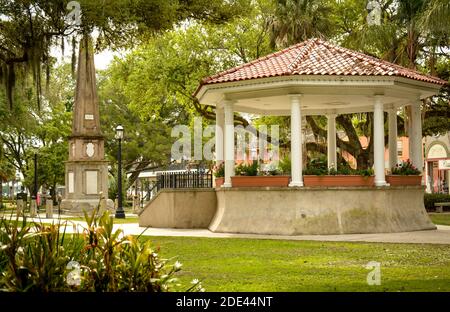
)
(181, 180)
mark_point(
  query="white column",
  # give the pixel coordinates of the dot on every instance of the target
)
(393, 156)
(296, 142)
(331, 141)
(220, 122)
(303, 127)
(229, 143)
(448, 181)
(410, 132)
(427, 181)
(378, 139)
(415, 141)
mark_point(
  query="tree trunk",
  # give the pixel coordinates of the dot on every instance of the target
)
(412, 45)
(53, 192)
(363, 157)
(1, 194)
(143, 165)
(304, 148)
(432, 61)
(11, 190)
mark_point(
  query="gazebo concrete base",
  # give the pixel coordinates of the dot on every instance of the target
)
(180, 208)
(324, 210)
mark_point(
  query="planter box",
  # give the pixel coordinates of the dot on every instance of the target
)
(338, 180)
(219, 181)
(404, 179)
(249, 181)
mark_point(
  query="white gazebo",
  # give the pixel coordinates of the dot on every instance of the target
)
(318, 78)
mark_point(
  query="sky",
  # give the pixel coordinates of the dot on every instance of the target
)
(101, 60)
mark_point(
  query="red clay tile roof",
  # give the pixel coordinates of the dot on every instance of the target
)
(317, 57)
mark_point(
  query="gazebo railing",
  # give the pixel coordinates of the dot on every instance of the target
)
(184, 180)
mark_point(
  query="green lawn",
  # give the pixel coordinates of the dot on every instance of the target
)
(46, 221)
(440, 218)
(276, 265)
(116, 221)
(127, 220)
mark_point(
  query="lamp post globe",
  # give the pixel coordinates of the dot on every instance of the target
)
(120, 214)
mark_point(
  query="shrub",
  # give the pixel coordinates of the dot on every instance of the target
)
(319, 167)
(37, 257)
(247, 170)
(219, 170)
(269, 170)
(34, 256)
(364, 172)
(6, 203)
(285, 165)
(431, 199)
(405, 168)
(114, 262)
(316, 167)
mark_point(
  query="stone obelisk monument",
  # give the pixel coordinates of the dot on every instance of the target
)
(86, 169)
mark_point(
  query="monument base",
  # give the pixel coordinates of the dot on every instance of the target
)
(76, 207)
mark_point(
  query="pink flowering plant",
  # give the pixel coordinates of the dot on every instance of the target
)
(219, 170)
(405, 168)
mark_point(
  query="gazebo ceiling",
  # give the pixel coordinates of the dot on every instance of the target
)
(329, 77)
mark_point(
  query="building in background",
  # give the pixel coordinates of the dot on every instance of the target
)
(436, 157)
(437, 163)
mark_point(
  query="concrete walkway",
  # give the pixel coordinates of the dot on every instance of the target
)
(439, 236)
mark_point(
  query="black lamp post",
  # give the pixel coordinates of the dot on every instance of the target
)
(119, 212)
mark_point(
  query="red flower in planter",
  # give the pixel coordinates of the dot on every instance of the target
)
(405, 168)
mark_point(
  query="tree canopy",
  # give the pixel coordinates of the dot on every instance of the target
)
(171, 45)
(408, 35)
(29, 28)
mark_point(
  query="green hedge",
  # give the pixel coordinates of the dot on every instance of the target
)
(430, 199)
